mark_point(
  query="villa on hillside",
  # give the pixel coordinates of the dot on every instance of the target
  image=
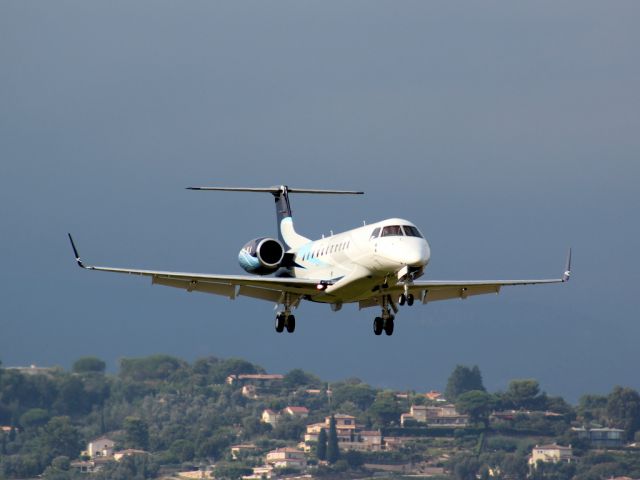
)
(601, 437)
(553, 453)
(350, 435)
(443, 416)
(287, 458)
(272, 417)
(254, 378)
(100, 447)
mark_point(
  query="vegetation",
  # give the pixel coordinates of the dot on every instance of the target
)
(186, 415)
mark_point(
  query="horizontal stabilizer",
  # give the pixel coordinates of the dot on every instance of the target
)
(279, 189)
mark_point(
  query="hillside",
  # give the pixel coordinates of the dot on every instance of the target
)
(160, 416)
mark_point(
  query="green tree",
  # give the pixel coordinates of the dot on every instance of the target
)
(385, 409)
(333, 450)
(465, 467)
(34, 418)
(354, 458)
(154, 367)
(89, 365)
(321, 447)
(623, 409)
(136, 433)
(59, 438)
(463, 379)
(592, 407)
(297, 378)
(525, 393)
(183, 449)
(361, 394)
(477, 404)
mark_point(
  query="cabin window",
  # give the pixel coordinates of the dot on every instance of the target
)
(411, 231)
(392, 231)
(375, 233)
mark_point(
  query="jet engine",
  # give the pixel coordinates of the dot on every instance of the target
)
(261, 256)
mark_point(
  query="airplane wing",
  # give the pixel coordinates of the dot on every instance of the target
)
(265, 288)
(431, 291)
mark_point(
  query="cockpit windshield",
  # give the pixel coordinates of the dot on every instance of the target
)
(411, 231)
(396, 231)
(392, 231)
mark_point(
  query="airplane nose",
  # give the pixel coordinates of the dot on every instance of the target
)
(418, 255)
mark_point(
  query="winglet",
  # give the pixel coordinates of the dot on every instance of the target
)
(567, 271)
(75, 252)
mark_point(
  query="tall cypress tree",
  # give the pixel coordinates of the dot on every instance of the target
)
(321, 448)
(333, 451)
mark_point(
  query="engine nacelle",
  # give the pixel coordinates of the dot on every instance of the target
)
(261, 256)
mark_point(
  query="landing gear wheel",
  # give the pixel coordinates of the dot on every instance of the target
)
(279, 323)
(290, 323)
(377, 326)
(410, 299)
(402, 299)
(388, 326)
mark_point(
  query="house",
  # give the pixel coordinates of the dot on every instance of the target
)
(239, 450)
(287, 458)
(297, 412)
(371, 439)
(350, 436)
(552, 453)
(249, 391)
(444, 416)
(130, 452)
(35, 370)
(259, 473)
(195, 474)
(434, 396)
(100, 447)
(269, 416)
(254, 378)
(313, 431)
(601, 437)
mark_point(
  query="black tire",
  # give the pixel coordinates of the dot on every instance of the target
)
(290, 323)
(410, 299)
(279, 323)
(402, 299)
(388, 326)
(377, 326)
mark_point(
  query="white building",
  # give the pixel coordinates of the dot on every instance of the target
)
(287, 458)
(100, 447)
(550, 454)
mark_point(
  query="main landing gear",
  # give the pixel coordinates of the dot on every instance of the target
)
(285, 320)
(385, 324)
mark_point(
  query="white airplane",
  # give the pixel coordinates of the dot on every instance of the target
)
(373, 265)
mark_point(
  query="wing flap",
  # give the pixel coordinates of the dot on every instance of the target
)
(445, 293)
(193, 285)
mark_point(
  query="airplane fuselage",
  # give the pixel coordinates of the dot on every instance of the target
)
(357, 261)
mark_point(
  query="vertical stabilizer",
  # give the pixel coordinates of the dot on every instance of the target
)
(286, 232)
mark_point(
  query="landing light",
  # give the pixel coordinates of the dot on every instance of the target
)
(321, 286)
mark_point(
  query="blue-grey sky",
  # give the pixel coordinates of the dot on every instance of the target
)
(508, 131)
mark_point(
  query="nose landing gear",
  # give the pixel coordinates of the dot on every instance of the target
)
(406, 298)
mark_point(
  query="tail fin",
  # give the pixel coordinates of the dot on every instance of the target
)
(286, 232)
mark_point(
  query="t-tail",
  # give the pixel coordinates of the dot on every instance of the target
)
(286, 231)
